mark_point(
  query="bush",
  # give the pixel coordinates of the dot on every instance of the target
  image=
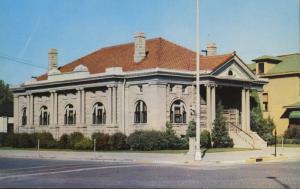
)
(174, 142)
(3, 137)
(263, 127)
(293, 132)
(101, 141)
(147, 140)
(118, 142)
(269, 138)
(11, 140)
(74, 138)
(191, 130)
(220, 136)
(83, 144)
(64, 142)
(46, 140)
(205, 139)
(25, 140)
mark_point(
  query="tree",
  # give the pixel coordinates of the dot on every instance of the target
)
(6, 100)
(220, 136)
(263, 127)
(191, 130)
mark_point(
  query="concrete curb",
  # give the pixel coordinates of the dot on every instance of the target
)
(265, 159)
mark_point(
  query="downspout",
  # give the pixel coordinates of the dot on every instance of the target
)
(124, 82)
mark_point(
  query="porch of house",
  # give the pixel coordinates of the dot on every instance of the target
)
(236, 106)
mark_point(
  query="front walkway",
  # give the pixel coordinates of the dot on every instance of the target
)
(141, 157)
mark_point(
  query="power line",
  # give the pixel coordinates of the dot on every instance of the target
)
(20, 61)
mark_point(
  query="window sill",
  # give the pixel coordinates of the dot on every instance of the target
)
(178, 124)
(139, 124)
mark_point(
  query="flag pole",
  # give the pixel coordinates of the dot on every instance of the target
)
(197, 151)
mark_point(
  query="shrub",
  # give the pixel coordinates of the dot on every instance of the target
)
(64, 142)
(46, 140)
(11, 140)
(3, 137)
(174, 142)
(220, 136)
(101, 141)
(74, 138)
(205, 139)
(147, 140)
(117, 141)
(191, 130)
(84, 144)
(263, 127)
(25, 140)
(292, 132)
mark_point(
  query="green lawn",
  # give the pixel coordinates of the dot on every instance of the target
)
(288, 145)
(211, 150)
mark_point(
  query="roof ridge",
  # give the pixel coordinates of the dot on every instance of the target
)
(288, 54)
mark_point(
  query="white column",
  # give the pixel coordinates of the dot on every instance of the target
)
(247, 98)
(82, 106)
(32, 109)
(208, 108)
(51, 108)
(28, 109)
(55, 112)
(243, 115)
(213, 103)
(114, 105)
(16, 112)
(110, 112)
(78, 112)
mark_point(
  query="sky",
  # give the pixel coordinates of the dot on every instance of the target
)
(29, 28)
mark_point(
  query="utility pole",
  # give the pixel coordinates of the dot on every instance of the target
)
(198, 151)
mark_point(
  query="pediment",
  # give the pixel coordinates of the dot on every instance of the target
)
(234, 69)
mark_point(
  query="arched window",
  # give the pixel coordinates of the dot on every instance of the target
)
(140, 114)
(44, 116)
(177, 112)
(24, 117)
(99, 114)
(230, 73)
(70, 115)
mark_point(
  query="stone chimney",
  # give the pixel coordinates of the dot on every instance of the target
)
(139, 46)
(211, 49)
(52, 59)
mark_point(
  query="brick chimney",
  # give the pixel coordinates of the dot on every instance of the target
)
(139, 46)
(52, 59)
(211, 49)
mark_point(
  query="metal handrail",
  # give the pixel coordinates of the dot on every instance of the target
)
(241, 130)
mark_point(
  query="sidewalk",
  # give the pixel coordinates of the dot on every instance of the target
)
(209, 158)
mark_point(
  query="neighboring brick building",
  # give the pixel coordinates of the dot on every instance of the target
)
(137, 86)
(281, 96)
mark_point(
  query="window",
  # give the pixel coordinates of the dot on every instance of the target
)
(261, 68)
(177, 112)
(99, 114)
(44, 116)
(265, 102)
(24, 117)
(230, 73)
(140, 114)
(70, 115)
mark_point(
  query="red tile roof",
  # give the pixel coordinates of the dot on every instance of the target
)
(160, 54)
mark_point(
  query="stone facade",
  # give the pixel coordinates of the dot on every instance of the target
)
(134, 100)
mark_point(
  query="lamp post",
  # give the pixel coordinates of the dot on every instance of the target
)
(197, 151)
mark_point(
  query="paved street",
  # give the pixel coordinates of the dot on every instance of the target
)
(57, 173)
